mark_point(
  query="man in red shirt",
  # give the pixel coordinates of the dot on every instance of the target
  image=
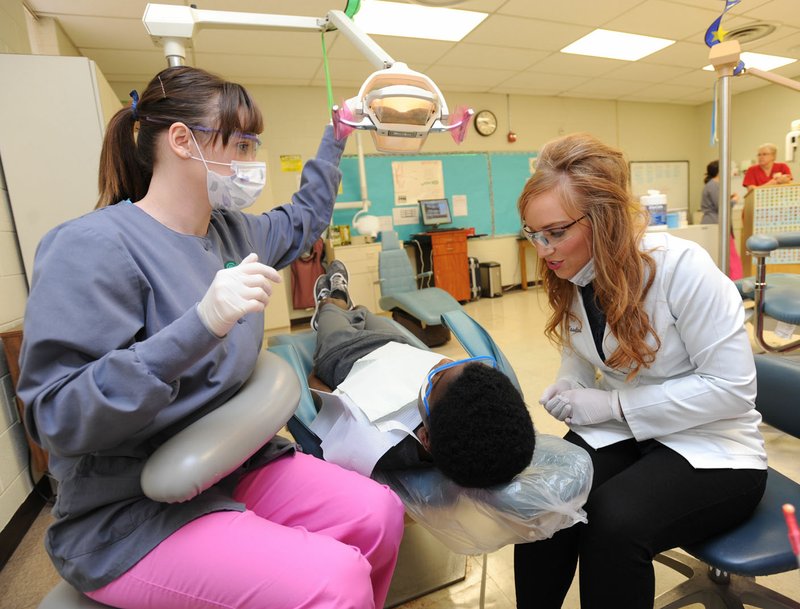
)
(767, 171)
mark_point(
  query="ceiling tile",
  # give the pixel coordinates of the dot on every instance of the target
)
(577, 65)
(445, 77)
(663, 19)
(526, 33)
(784, 11)
(646, 72)
(483, 56)
(685, 54)
(593, 14)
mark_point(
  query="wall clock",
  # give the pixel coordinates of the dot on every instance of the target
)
(485, 122)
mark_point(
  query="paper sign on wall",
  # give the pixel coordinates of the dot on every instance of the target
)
(415, 180)
(291, 163)
(405, 215)
(460, 205)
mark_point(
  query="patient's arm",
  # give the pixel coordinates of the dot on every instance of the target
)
(314, 382)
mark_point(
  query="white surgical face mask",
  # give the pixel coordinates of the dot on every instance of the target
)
(237, 191)
(585, 276)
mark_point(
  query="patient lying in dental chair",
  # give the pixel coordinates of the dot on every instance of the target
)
(453, 439)
(400, 407)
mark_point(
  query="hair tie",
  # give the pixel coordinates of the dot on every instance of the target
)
(134, 105)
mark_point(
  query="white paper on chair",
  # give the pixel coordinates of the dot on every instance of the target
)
(387, 379)
(348, 438)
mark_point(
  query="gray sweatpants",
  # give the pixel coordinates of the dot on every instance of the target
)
(344, 337)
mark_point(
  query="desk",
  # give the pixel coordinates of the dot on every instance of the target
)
(522, 245)
(447, 251)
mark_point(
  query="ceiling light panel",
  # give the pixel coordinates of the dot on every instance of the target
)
(616, 45)
(415, 21)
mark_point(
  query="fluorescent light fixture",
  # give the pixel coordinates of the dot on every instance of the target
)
(415, 21)
(616, 45)
(760, 61)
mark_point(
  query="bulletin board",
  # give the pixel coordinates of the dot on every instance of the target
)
(491, 183)
(668, 177)
(508, 173)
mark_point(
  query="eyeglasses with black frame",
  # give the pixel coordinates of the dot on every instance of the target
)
(549, 236)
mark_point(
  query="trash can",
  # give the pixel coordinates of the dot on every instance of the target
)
(490, 280)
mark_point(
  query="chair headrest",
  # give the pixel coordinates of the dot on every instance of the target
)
(389, 240)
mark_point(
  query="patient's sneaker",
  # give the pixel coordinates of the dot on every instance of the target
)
(338, 278)
(322, 290)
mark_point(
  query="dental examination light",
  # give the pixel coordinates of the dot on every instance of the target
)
(396, 104)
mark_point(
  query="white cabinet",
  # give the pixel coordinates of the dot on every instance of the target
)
(362, 264)
(54, 112)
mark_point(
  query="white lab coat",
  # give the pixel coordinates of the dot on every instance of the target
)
(697, 397)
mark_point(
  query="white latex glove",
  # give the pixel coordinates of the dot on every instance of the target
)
(591, 406)
(557, 407)
(235, 292)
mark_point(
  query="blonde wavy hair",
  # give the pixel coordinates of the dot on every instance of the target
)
(591, 178)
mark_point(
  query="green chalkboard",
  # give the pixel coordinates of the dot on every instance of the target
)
(491, 183)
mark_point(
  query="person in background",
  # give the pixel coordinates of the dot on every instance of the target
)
(148, 313)
(767, 171)
(466, 416)
(709, 205)
(657, 382)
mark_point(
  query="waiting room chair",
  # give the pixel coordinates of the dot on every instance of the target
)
(209, 449)
(417, 309)
(722, 570)
(776, 295)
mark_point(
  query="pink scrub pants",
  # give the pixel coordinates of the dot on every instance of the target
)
(313, 535)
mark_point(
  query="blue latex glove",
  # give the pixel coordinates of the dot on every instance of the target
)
(591, 406)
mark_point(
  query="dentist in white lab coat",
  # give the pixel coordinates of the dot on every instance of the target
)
(657, 382)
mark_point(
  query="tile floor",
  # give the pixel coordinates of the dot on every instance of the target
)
(515, 322)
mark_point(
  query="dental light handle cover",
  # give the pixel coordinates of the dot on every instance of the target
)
(794, 531)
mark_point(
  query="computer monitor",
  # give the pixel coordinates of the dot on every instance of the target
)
(435, 212)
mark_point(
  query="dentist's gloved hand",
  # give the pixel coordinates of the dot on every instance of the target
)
(235, 292)
(557, 407)
(590, 406)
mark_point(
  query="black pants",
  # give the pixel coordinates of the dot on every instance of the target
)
(645, 499)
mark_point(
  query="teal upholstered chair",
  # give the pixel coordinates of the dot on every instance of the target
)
(417, 309)
(722, 570)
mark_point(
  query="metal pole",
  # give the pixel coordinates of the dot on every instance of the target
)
(724, 172)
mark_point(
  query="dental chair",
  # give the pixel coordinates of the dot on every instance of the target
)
(775, 295)
(722, 570)
(211, 448)
(449, 521)
(417, 309)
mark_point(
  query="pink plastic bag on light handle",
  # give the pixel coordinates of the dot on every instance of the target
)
(459, 122)
(341, 115)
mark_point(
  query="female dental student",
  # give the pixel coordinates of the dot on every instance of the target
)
(657, 382)
(148, 313)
